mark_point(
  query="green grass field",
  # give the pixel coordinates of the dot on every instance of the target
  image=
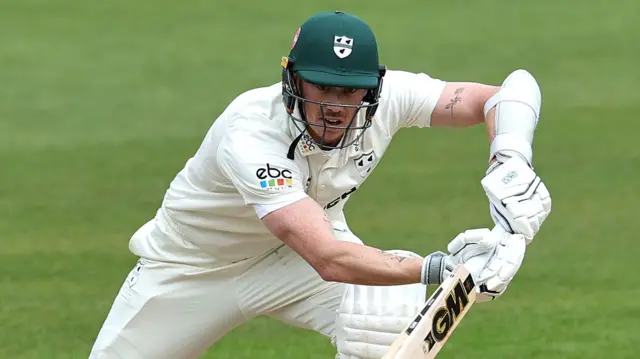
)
(101, 103)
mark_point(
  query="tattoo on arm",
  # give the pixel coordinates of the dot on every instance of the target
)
(457, 98)
(393, 256)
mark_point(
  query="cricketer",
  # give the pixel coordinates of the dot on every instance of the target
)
(253, 225)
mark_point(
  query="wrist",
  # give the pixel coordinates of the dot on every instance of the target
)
(434, 268)
(507, 145)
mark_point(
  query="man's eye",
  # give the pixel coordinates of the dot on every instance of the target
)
(322, 88)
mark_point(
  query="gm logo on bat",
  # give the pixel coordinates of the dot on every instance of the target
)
(447, 315)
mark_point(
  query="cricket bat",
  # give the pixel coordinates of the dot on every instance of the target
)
(432, 327)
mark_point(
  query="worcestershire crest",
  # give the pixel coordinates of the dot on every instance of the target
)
(365, 162)
(342, 46)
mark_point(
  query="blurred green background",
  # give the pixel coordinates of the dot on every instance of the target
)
(102, 102)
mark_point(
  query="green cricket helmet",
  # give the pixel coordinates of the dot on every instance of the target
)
(333, 49)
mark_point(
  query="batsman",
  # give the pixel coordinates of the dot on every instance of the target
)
(253, 225)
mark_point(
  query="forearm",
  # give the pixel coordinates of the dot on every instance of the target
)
(360, 264)
(305, 228)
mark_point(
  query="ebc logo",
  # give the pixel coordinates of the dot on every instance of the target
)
(273, 178)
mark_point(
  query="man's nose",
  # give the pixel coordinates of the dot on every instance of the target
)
(333, 98)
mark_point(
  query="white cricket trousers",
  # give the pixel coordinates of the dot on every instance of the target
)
(176, 311)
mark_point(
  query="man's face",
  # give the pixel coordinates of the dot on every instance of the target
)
(335, 115)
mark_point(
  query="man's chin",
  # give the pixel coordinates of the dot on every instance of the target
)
(330, 138)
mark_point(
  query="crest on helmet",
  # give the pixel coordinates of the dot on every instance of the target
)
(342, 46)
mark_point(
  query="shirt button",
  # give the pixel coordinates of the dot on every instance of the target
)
(323, 187)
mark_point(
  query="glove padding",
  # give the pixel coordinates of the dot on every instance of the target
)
(492, 257)
(436, 267)
(519, 201)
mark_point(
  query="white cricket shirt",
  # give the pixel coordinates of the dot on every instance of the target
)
(241, 170)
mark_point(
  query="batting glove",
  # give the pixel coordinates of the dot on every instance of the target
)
(492, 257)
(519, 201)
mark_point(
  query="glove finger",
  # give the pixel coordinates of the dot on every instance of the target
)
(485, 274)
(456, 244)
(473, 251)
(477, 267)
(494, 262)
(476, 264)
(472, 236)
(504, 265)
(497, 261)
(491, 239)
(535, 224)
(507, 273)
(459, 243)
(470, 250)
(523, 226)
(543, 191)
(526, 207)
(516, 251)
(546, 204)
(546, 208)
(495, 284)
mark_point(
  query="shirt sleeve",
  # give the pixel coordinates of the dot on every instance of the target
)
(262, 173)
(411, 98)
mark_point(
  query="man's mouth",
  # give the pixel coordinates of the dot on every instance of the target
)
(333, 121)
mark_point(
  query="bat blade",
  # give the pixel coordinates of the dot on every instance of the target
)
(432, 327)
